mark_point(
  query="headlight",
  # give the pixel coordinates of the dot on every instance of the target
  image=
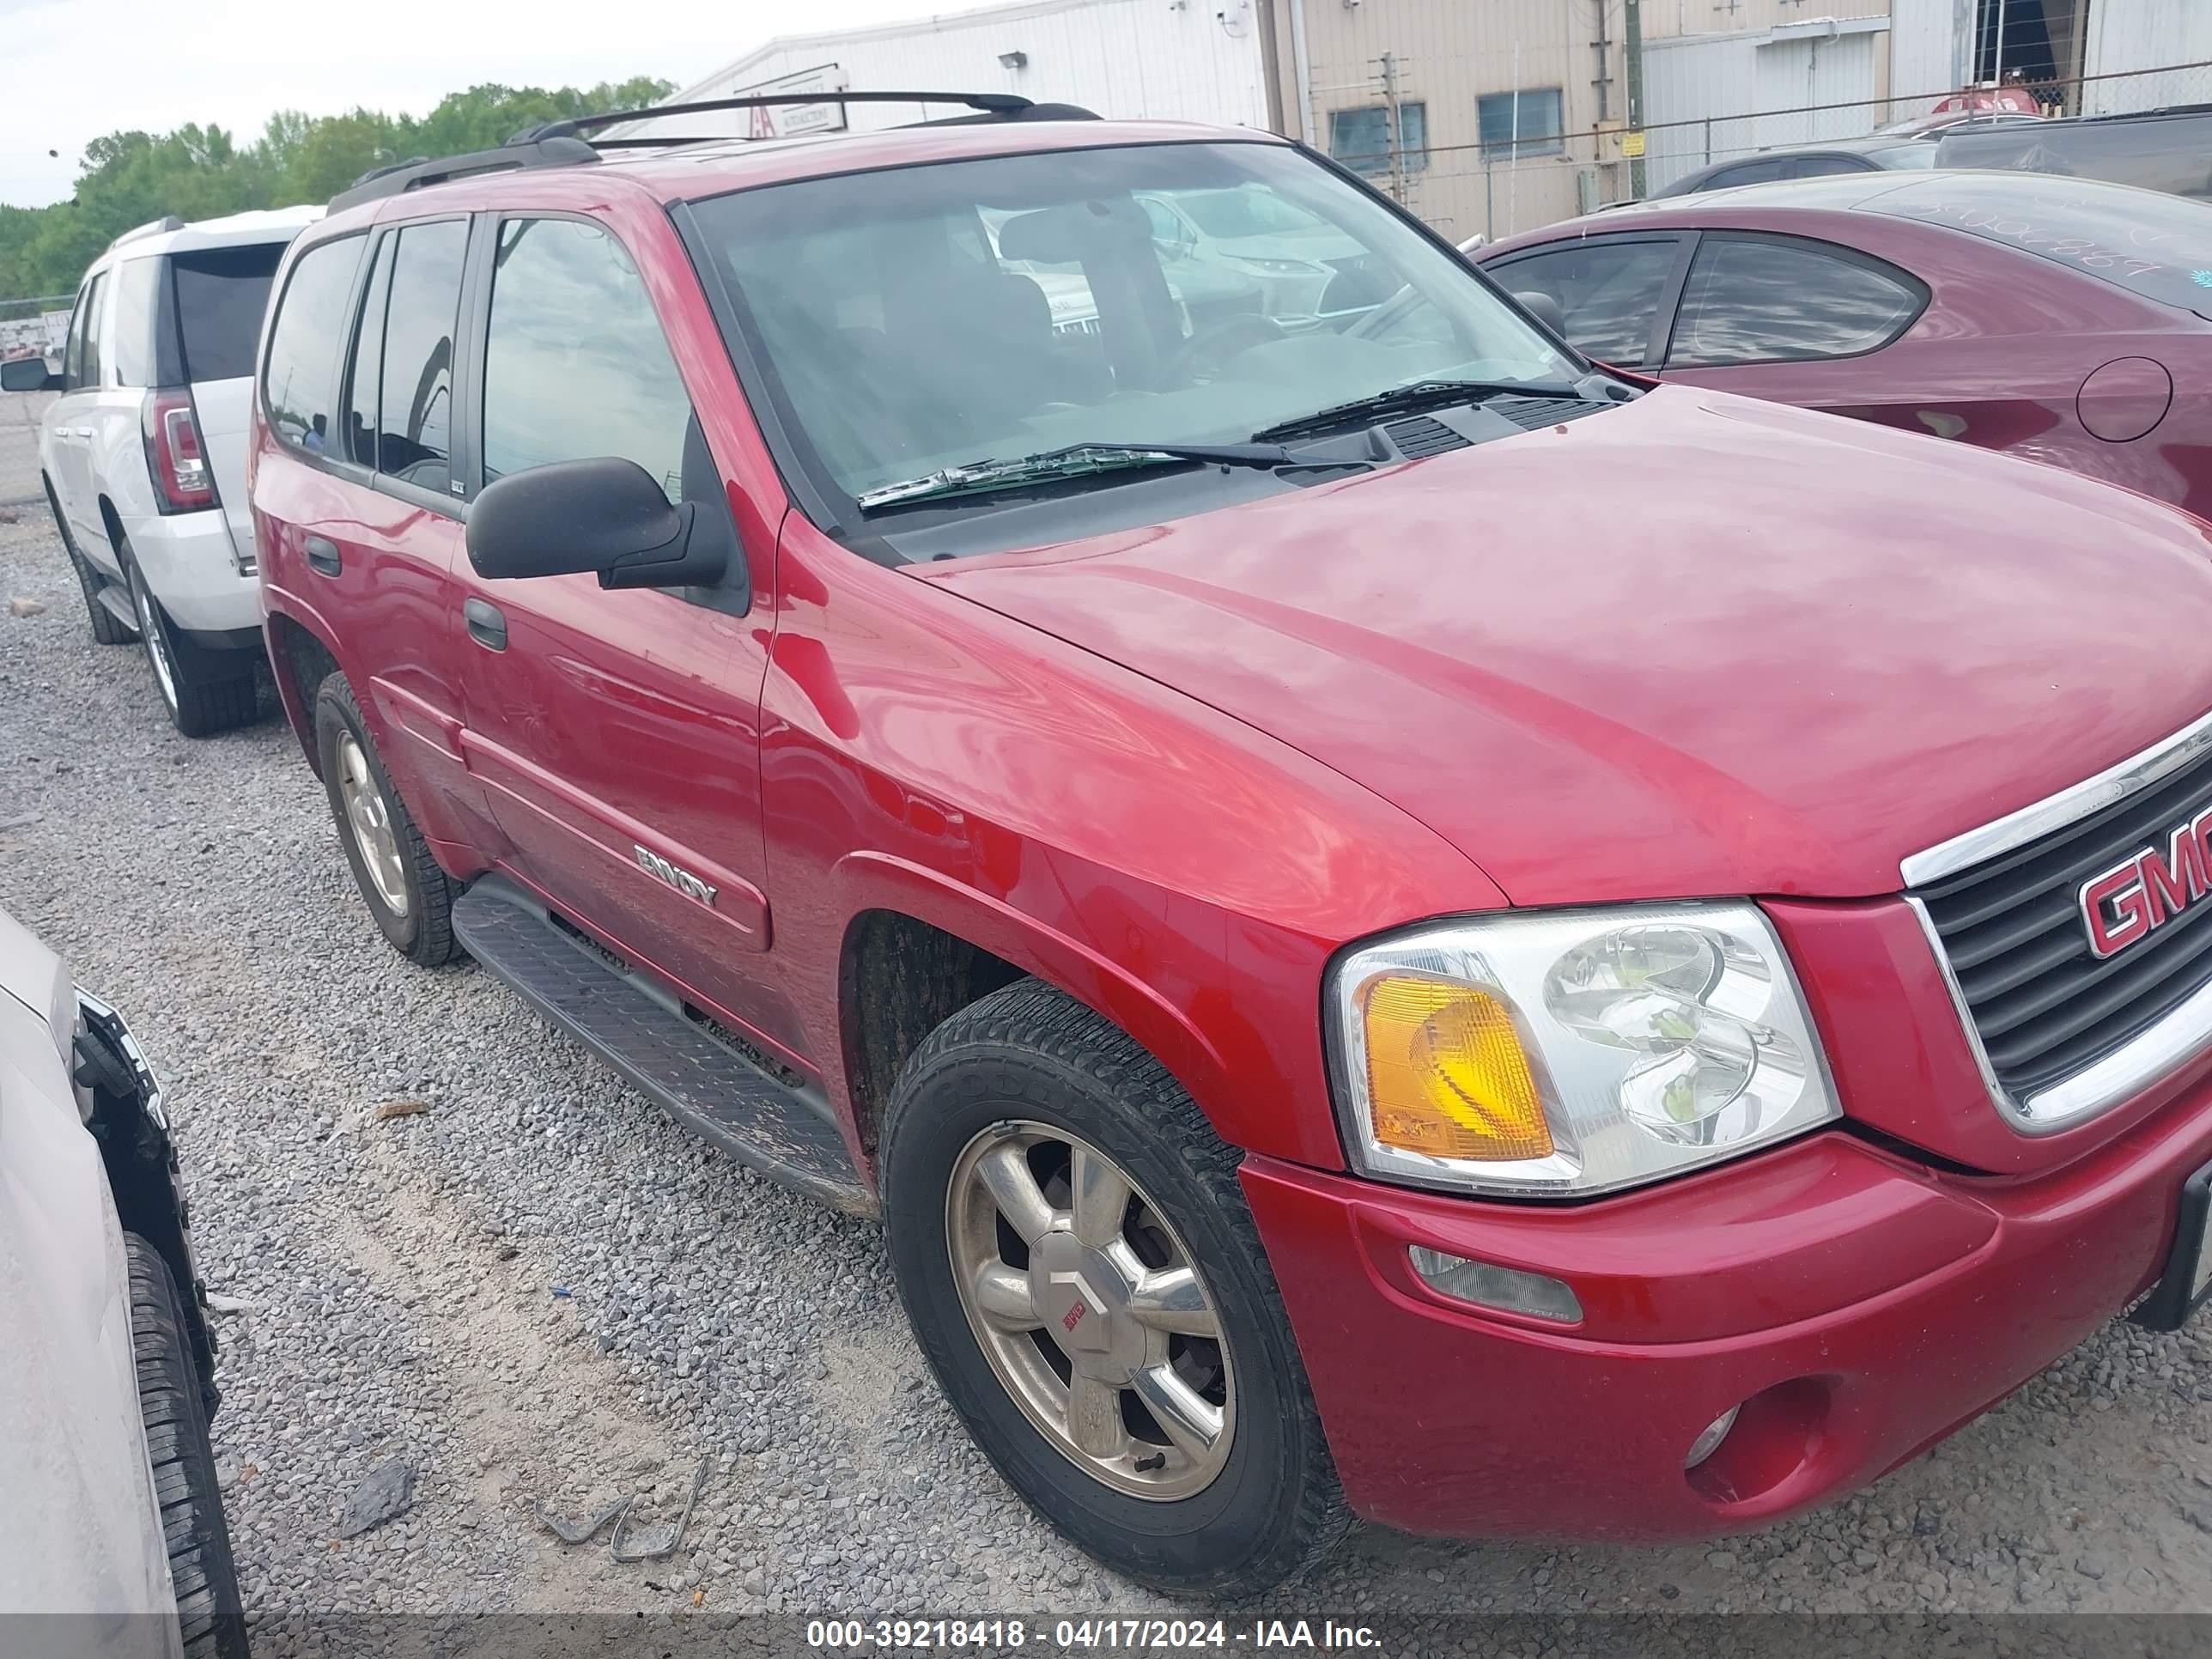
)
(1577, 1051)
(1279, 267)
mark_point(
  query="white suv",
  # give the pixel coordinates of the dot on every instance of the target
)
(144, 453)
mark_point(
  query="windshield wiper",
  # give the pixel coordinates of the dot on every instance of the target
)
(1073, 461)
(1409, 400)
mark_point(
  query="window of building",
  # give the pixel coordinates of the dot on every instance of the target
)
(415, 427)
(1754, 300)
(1514, 124)
(575, 365)
(302, 367)
(1360, 138)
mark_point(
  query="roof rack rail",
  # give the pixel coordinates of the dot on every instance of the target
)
(151, 228)
(994, 105)
(562, 143)
(551, 151)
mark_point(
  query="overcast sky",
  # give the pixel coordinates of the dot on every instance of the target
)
(76, 69)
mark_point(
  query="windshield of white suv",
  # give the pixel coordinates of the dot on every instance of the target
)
(920, 319)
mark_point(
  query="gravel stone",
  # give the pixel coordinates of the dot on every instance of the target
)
(388, 1281)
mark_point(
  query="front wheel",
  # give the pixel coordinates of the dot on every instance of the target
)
(1084, 1277)
(209, 1613)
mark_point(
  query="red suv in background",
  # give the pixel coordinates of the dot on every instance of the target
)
(1407, 923)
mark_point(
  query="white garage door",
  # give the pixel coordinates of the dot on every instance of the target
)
(1737, 93)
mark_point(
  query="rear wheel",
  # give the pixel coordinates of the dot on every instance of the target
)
(406, 891)
(204, 691)
(107, 628)
(209, 1612)
(1083, 1273)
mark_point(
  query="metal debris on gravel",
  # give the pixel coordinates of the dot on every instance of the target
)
(396, 1284)
(386, 1490)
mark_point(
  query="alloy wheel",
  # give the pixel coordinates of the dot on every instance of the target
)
(1090, 1311)
(369, 819)
(157, 644)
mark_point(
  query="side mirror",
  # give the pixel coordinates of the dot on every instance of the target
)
(1544, 308)
(27, 375)
(605, 515)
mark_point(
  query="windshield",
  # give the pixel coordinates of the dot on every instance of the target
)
(2156, 246)
(917, 318)
(1252, 212)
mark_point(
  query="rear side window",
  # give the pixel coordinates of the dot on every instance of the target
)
(1770, 300)
(575, 365)
(1751, 173)
(414, 428)
(1828, 166)
(82, 364)
(144, 345)
(300, 373)
(365, 383)
(221, 295)
(1609, 293)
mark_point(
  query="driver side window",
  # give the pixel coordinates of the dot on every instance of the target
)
(575, 363)
(1609, 293)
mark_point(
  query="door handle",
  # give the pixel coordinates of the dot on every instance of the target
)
(487, 624)
(323, 555)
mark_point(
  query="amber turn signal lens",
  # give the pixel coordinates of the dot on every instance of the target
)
(1446, 1074)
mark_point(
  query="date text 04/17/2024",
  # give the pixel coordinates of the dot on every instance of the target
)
(1085, 1635)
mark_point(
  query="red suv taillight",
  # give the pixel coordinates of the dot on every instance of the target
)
(174, 453)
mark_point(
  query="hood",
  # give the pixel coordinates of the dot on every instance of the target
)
(1694, 645)
(35, 976)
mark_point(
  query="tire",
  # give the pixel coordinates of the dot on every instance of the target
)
(1030, 1054)
(107, 628)
(209, 1611)
(204, 693)
(420, 924)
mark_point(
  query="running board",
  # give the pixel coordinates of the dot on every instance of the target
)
(642, 1028)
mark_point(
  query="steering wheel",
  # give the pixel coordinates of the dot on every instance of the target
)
(1217, 342)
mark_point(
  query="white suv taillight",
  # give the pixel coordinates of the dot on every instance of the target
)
(174, 454)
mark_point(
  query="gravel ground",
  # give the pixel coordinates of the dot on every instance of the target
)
(539, 1288)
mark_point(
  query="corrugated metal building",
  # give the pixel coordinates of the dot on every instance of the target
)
(1494, 116)
(1199, 60)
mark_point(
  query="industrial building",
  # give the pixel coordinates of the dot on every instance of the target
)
(1492, 116)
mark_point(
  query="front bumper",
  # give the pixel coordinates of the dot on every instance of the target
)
(1863, 1306)
(143, 1172)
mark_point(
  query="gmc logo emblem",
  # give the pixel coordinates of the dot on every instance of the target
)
(2125, 902)
(1073, 1316)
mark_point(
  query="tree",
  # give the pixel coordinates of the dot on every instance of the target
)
(128, 179)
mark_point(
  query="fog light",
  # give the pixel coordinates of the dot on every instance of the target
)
(1710, 1442)
(1490, 1285)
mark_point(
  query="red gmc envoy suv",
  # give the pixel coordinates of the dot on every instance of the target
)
(1394, 922)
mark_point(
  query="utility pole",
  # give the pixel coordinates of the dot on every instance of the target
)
(1396, 132)
(1632, 40)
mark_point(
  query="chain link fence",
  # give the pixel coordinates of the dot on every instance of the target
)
(1496, 190)
(34, 326)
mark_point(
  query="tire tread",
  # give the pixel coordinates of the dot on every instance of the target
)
(210, 1615)
(1040, 1022)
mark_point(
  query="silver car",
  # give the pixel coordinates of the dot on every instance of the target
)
(144, 454)
(112, 1540)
